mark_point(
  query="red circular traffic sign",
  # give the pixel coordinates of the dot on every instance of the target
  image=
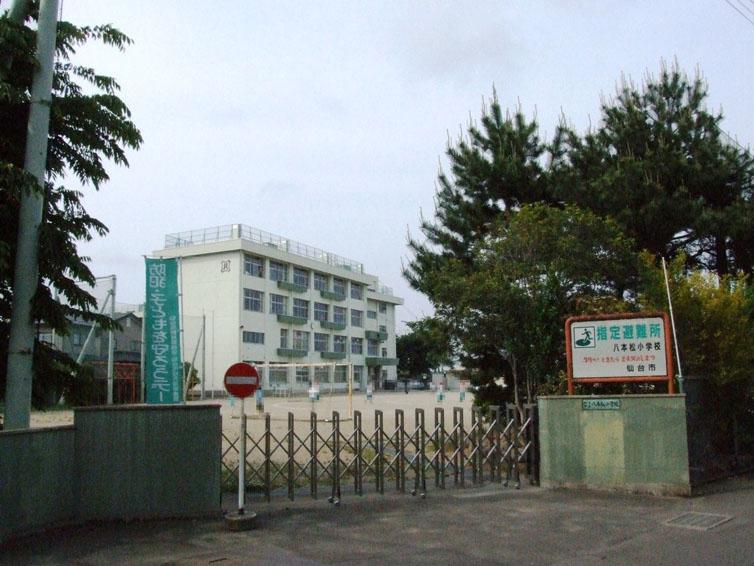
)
(241, 380)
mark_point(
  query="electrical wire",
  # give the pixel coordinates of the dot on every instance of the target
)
(743, 15)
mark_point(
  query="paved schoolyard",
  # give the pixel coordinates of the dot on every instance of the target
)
(488, 524)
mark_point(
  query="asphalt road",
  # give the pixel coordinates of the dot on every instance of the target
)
(488, 524)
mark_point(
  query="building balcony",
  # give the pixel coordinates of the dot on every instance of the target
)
(333, 355)
(375, 335)
(332, 296)
(291, 353)
(288, 319)
(326, 324)
(378, 361)
(293, 287)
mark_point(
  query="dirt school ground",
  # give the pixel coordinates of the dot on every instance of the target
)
(279, 407)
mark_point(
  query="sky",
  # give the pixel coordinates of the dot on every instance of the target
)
(326, 122)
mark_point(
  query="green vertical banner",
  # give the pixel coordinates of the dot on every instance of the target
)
(163, 367)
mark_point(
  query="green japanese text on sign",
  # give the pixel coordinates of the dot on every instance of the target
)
(163, 368)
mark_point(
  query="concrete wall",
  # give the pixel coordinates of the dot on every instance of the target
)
(148, 461)
(123, 462)
(638, 444)
(35, 471)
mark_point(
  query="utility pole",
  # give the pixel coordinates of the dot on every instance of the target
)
(111, 346)
(26, 278)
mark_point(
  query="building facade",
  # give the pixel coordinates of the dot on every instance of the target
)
(248, 295)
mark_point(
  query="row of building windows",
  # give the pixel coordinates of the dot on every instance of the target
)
(253, 300)
(299, 340)
(321, 374)
(278, 271)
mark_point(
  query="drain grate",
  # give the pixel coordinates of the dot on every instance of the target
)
(698, 521)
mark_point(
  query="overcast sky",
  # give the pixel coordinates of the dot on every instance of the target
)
(325, 122)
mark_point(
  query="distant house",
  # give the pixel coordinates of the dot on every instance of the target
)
(127, 339)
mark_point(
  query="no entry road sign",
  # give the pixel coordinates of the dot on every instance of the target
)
(241, 380)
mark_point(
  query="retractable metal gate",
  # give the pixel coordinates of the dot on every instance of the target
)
(337, 456)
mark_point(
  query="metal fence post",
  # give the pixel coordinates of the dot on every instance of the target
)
(475, 448)
(495, 460)
(440, 445)
(267, 456)
(335, 497)
(400, 479)
(379, 469)
(313, 466)
(358, 447)
(289, 446)
(460, 445)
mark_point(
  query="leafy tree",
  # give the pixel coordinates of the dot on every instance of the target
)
(425, 347)
(660, 164)
(89, 124)
(528, 275)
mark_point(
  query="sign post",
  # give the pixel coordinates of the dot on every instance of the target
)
(622, 348)
(241, 380)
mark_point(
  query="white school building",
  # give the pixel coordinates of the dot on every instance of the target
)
(248, 295)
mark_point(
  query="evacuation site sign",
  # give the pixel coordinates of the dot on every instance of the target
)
(620, 347)
(162, 367)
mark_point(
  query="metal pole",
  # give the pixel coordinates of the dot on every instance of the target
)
(204, 352)
(672, 322)
(82, 353)
(26, 278)
(111, 347)
(143, 387)
(242, 461)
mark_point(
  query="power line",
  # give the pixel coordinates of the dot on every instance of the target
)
(732, 5)
(746, 7)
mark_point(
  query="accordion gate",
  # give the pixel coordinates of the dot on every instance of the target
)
(332, 457)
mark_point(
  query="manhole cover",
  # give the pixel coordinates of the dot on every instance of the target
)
(698, 521)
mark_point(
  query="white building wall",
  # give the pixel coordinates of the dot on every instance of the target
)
(213, 282)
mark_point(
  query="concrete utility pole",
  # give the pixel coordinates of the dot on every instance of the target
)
(111, 347)
(26, 279)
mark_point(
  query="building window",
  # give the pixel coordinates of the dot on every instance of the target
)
(278, 304)
(321, 342)
(384, 374)
(373, 348)
(253, 265)
(278, 376)
(321, 311)
(339, 286)
(322, 374)
(320, 282)
(77, 339)
(301, 277)
(341, 374)
(339, 344)
(283, 337)
(252, 300)
(253, 337)
(302, 375)
(383, 308)
(357, 345)
(372, 315)
(358, 373)
(301, 308)
(383, 328)
(357, 292)
(300, 340)
(357, 318)
(384, 352)
(278, 271)
(339, 315)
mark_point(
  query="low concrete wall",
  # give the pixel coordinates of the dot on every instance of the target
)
(123, 462)
(148, 461)
(36, 467)
(632, 443)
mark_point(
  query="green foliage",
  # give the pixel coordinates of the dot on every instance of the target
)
(526, 233)
(425, 347)
(662, 167)
(89, 124)
(714, 326)
(190, 376)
